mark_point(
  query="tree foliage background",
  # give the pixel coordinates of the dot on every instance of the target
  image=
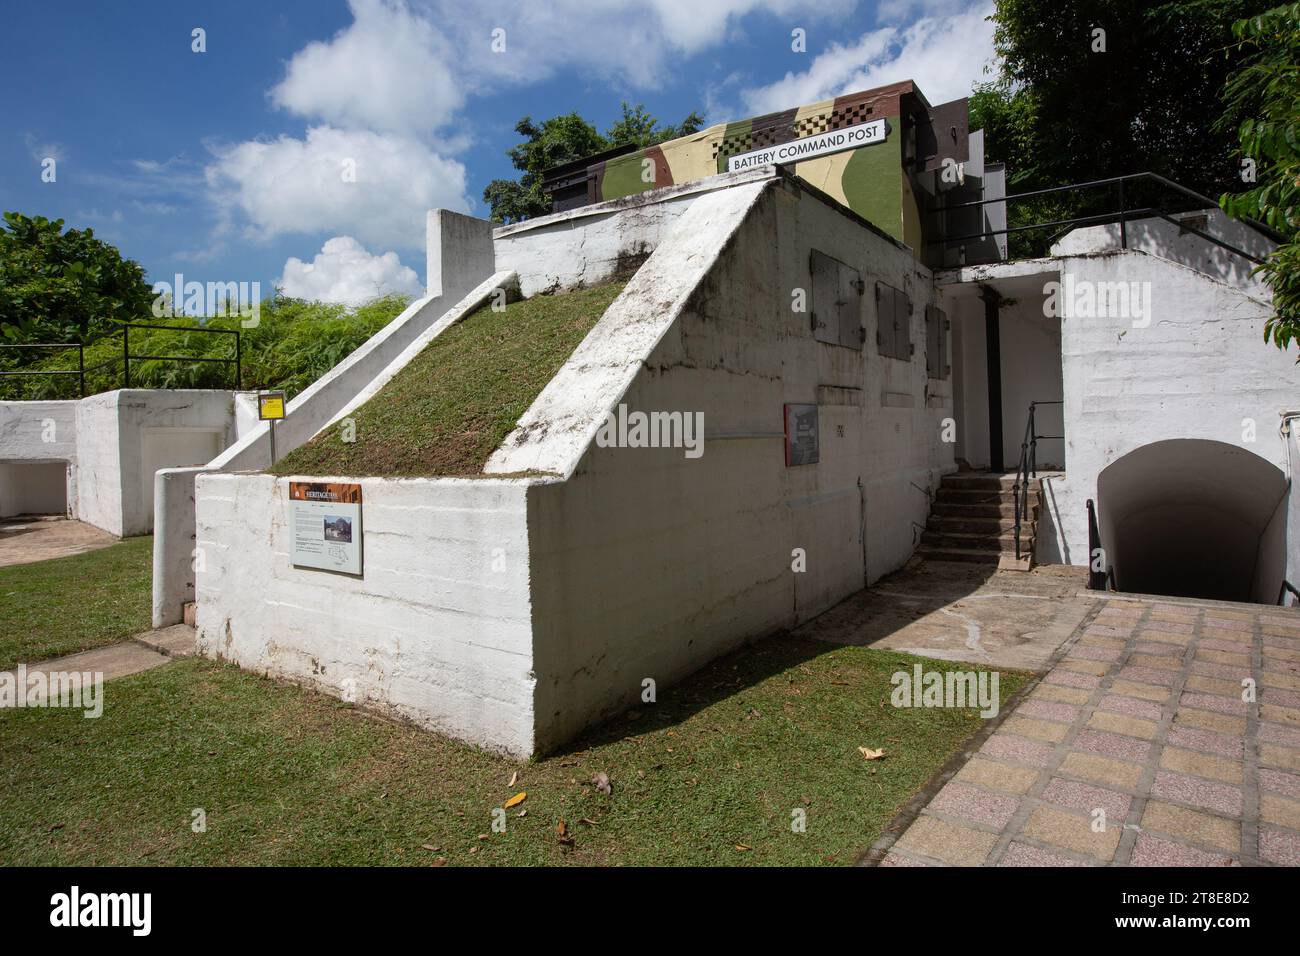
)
(1262, 100)
(562, 139)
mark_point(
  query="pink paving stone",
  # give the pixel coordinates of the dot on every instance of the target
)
(979, 806)
(894, 859)
(1283, 698)
(1089, 653)
(1215, 644)
(1152, 851)
(1193, 738)
(1112, 745)
(1012, 747)
(1071, 679)
(1022, 854)
(1222, 705)
(1275, 666)
(1197, 792)
(1168, 627)
(1148, 675)
(1082, 796)
(1163, 650)
(1279, 781)
(1105, 630)
(1227, 624)
(1226, 671)
(1278, 734)
(1285, 643)
(1117, 704)
(1279, 846)
(1049, 710)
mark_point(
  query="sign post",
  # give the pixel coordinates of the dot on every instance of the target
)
(270, 409)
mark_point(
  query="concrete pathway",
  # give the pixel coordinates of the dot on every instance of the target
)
(964, 612)
(143, 652)
(24, 540)
(1137, 748)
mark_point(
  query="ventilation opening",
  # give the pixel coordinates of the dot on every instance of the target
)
(33, 488)
(1195, 518)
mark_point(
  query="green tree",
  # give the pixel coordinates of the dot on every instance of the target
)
(1262, 105)
(562, 139)
(58, 286)
(1072, 104)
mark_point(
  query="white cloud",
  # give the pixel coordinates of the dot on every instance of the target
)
(343, 271)
(946, 56)
(291, 185)
(389, 70)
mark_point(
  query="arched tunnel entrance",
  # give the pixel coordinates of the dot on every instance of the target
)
(1195, 518)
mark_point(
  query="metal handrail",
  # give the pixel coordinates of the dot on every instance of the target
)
(1123, 214)
(1027, 470)
(1281, 593)
(237, 361)
(79, 371)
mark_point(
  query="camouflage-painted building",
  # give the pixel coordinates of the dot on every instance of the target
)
(878, 152)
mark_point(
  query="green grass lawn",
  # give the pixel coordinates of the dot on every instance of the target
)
(708, 775)
(49, 608)
(453, 405)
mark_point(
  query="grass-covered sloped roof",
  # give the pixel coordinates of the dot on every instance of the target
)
(455, 402)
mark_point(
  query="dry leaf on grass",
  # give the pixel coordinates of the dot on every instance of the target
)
(514, 779)
(869, 754)
(601, 780)
(562, 833)
(517, 799)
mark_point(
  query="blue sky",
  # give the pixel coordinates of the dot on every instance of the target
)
(233, 164)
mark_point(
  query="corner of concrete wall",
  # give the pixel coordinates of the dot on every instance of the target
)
(459, 252)
(173, 551)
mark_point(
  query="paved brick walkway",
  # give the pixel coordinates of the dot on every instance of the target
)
(1137, 749)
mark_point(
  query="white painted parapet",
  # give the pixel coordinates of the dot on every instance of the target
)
(461, 258)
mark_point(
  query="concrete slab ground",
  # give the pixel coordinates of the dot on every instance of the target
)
(143, 652)
(39, 538)
(964, 612)
(1168, 734)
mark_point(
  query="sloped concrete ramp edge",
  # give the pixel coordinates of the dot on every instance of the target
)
(562, 423)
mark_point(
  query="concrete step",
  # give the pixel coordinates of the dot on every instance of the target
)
(980, 496)
(1005, 541)
(967, 555)
(1004, 510)
(948, 524)
(978, 480)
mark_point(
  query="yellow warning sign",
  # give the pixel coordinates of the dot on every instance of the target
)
(270, 405)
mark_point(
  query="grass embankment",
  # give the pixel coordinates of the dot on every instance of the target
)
(64, 605)
(292, 345)
(453, 405)
(711, 774)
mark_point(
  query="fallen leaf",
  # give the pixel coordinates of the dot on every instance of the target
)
(514, 778)
(601, 780)
(473, 850)
(869, 754)
(517, 799)
(441, 861)
(562, 833)
(742, 846)
(587, 820)
(430, 847)
(484, 836)
(522, 813)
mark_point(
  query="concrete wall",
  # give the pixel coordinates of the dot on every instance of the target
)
(594, 243)
(647, 564)
(460, 257)
(43, 435)
(438, 628)
(1200, 369)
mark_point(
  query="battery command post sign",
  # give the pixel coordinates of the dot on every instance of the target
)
(326, 526)
(797, 150)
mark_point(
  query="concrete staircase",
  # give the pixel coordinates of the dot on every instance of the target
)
(973, 518)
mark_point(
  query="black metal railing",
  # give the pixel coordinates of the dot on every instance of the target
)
(1123, 215)
(1027, 470)
(127, 357)
(1281, 593)
(1098, 577)
(79, 371)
